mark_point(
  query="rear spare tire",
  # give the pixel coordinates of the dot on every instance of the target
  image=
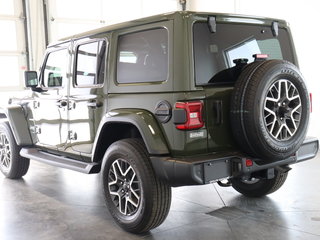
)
(270, 110)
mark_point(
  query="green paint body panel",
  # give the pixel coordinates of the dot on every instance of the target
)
(219, 129)
(144, 122)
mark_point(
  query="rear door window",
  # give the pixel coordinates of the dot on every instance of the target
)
(90, 64)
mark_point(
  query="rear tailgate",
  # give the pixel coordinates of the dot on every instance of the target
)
(217, 105)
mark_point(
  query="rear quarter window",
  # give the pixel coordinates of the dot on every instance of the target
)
(142, 57)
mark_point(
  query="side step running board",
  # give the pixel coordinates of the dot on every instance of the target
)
(59, 161)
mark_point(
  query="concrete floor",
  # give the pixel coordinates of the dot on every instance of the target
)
(52, 203)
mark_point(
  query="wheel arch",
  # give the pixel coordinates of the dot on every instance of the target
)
(129, 123)
(15, 115)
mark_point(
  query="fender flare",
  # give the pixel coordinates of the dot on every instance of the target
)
(15, 116)
(144, 121)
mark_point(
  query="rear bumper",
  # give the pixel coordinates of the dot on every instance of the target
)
(214, 167)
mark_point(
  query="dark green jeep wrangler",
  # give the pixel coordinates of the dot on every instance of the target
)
(171, 100)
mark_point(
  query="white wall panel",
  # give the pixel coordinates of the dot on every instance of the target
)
(152, 7)
(226, 6)
(12, 45)
(73, 16)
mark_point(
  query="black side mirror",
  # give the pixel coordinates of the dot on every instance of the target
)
(31, 79)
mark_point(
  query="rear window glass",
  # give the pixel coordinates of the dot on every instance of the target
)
(215, 53)
(143, 57)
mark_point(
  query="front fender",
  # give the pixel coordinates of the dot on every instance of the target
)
(16, 117)
(145, 122)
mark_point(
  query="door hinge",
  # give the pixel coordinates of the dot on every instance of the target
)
(36, 104)
(275, 29)
(72, 135)
(36, 129)
(218, 113)
(71, 105)
(212, 24)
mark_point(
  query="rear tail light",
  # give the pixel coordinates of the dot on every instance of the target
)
(192, 112)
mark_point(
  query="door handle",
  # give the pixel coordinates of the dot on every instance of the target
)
(94, 104)
(62, 103)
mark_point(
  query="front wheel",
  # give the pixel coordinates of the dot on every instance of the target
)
(12, 165)
(135, 197)
(259, 187)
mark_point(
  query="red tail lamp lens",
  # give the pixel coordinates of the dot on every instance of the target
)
(193, 115)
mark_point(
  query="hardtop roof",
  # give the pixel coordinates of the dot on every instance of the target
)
(221, 17)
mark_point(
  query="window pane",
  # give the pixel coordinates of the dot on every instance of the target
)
(8, 39)
(214, 53)
(90, 63)
(244, 49)
(55, 72)
(127, 57)
(272, 47)
(143, 57)
(7, 7)
(9, 69)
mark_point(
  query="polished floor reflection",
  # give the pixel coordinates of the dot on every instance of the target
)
(52, 203)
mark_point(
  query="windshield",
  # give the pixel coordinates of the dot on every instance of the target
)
(216, 53)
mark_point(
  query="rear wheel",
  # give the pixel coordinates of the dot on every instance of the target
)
(12, 165)
(259, 187)
(136, 198)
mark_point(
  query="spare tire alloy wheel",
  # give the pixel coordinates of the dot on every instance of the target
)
(282, 110)
(269, 111)
(124, 187)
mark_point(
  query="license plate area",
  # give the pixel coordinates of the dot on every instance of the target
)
(216, 170)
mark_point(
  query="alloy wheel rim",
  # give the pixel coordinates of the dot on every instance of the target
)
(124, 187)
(5, 153)
(282, 110)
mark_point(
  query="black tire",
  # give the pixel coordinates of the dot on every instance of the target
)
(259, 187)
(139, 215)
(265, 123)
(12, 165)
